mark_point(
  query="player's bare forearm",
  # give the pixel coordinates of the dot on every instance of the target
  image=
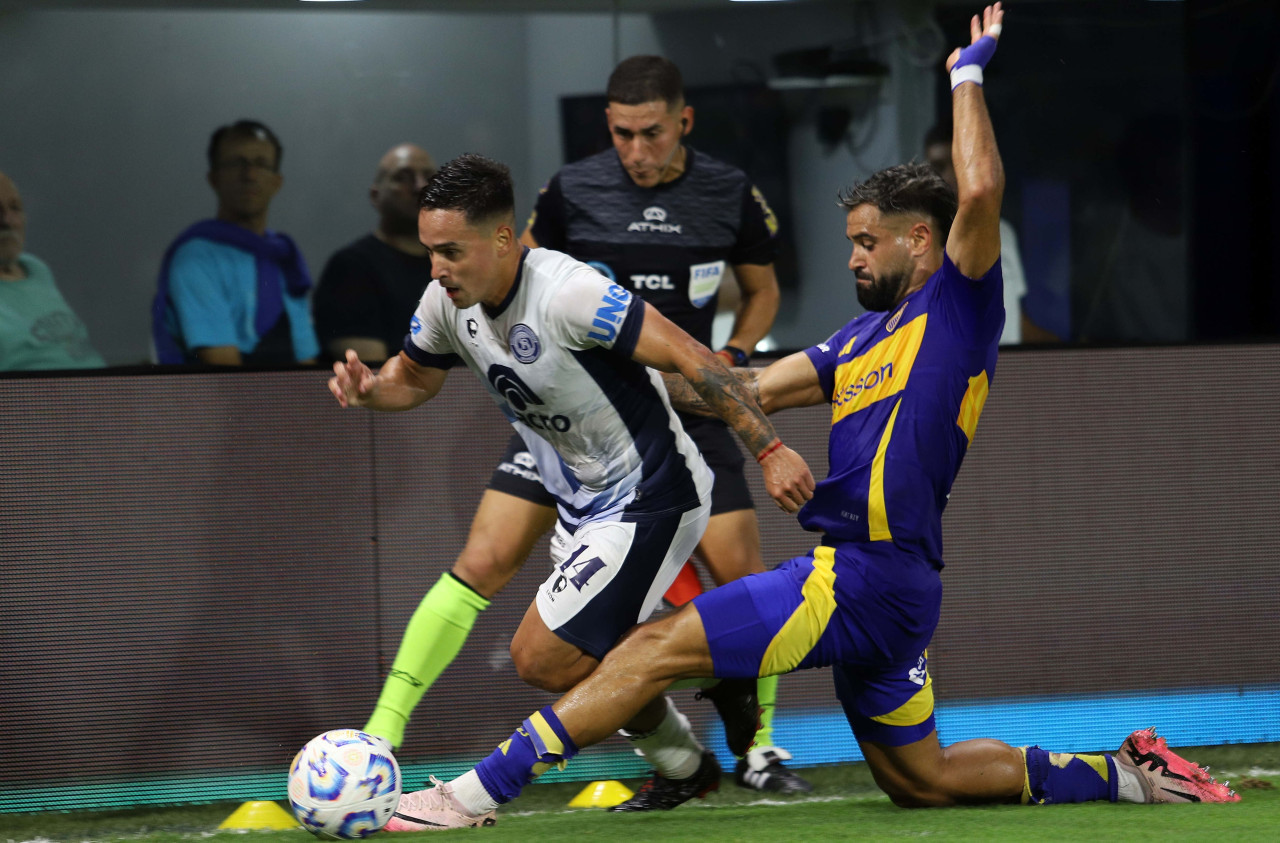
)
(760, 299)
(663, 346)
(979, 170)
(393, 398)
(786, 475)
(729, 399)
(687, 400)
(974, 241)
(400, 385)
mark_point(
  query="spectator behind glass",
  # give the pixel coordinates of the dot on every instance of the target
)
(1018, 328)
(1139, 289)
(38, 329)
(232, 292)
(370, 288)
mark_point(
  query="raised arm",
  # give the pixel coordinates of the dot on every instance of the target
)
(665, 347)
(974, 242)
(400, 384)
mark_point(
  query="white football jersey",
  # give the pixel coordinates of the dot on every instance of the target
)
(556, 357)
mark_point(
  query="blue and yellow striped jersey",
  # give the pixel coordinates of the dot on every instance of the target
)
(906, 389)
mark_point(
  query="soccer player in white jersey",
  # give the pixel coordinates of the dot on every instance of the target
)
(570, 359)
(906, 381)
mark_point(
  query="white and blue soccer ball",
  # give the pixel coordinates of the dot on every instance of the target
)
(344, 784)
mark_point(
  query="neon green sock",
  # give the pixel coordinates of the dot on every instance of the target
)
(436, 632)
(767, 694)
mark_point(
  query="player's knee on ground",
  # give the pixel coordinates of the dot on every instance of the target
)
(912, 798)
(908, 794)
(906, 790)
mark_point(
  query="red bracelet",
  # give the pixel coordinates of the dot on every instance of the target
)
(777, 443)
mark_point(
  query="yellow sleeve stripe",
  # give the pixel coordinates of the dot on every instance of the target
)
(802, 630)
(877, 514)
(914, 711)
(975, 398)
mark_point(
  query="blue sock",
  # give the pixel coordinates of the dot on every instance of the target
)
(539, 744)
(1057, 777)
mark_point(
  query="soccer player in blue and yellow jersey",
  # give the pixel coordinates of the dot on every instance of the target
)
(906, 383)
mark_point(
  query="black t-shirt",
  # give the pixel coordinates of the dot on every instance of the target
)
(369, 289)
(668, 244)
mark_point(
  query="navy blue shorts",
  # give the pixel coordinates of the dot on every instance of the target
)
(517, 472)
(868, 610)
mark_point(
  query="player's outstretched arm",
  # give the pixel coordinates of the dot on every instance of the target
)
(974, 242)
(400, 384)
(665, 347)
(789, 382)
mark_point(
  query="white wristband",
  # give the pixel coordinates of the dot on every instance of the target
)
(967, 73)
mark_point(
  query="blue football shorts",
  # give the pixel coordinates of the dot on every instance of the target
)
(866, 610)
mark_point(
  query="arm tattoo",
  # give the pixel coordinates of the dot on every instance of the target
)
(682, 396)
(686, 400)
(733, 396)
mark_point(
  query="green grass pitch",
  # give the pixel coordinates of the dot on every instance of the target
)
(845, 805)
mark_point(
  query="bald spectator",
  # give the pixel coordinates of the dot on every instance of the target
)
(370, 288)
(231, 291)
(38, 329)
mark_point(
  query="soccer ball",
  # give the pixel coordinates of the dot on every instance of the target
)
(344, 784)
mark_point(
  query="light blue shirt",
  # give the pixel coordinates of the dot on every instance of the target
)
(38, 329)
(213, 289)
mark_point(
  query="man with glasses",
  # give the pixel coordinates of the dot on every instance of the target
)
(232, 292)
(370, 288)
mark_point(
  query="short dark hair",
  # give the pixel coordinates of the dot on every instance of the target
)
(905, 189)
(479, 187)
(642, 79)
(243, 129)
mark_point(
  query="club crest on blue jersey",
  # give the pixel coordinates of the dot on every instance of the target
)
(524, 343)
(604, 269)
(920, 673)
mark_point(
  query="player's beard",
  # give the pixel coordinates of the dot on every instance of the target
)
(883, 292)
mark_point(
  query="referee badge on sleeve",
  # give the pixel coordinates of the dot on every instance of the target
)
(704, 281)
